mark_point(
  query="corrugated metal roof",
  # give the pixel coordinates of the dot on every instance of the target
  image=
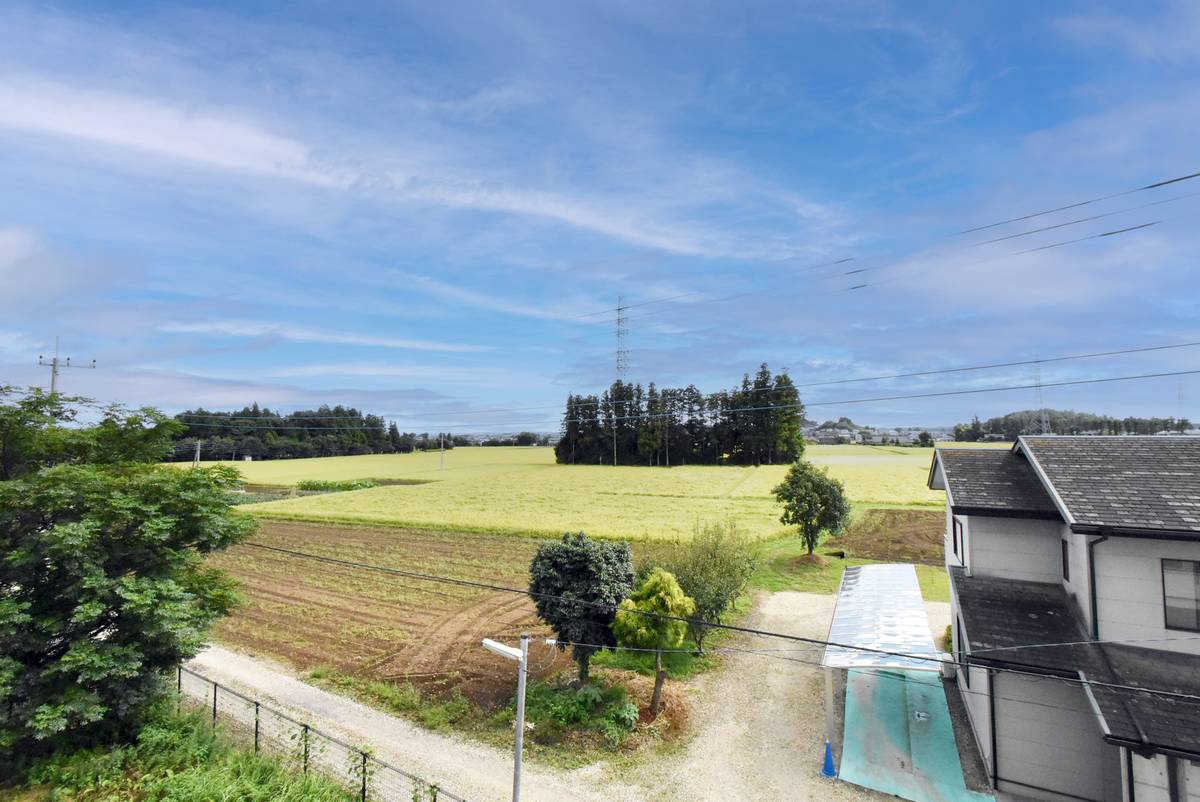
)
(880, 608)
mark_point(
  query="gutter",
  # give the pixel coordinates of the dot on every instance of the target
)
(1091, 553)
(1133, 531)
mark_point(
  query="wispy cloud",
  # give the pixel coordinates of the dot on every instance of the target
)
(1170, 36)
(284, 331)
(189, 133)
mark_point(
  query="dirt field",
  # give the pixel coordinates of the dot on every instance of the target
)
(376, 626)
(895, 536)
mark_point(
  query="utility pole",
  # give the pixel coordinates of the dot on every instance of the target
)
(522, 657)
(441, 451)
(55, 364)
(196, 459)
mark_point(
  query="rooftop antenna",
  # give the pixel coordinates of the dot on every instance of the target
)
(56, 364)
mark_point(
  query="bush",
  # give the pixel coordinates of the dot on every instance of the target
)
(713, 570)
(596, 707)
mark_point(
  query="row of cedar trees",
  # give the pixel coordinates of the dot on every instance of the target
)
(757, 423)
(1063, 421)
(323, 432)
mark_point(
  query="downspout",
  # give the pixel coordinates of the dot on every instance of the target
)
(992, 723)
(1091, 549)
(1129, 785)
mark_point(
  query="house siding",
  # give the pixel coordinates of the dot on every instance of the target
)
(1129, 592)
(1048, 745)
(1014, 548)
(1150, 782)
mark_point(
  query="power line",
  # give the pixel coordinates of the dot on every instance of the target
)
(761, 408)
(713, 625)
(1077, 204)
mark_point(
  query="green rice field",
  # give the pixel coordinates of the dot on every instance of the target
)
(522, 490)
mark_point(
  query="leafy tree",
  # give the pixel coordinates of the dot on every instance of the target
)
(812, 501)
(102, 567)
(650, 619)
(713, 570)
(925, 439)
(576, 584)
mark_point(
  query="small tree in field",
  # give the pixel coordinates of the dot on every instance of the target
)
(576, 584)
(103, 579)
(812, 501)
(713, 570)
(647, 620)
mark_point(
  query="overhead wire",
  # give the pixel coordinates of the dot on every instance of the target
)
(760, 408)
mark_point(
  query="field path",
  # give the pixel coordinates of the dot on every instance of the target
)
(758, 725)
(470, 770)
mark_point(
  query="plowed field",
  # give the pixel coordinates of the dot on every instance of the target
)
(378, 626)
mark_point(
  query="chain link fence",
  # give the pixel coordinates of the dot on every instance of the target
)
(253, 725)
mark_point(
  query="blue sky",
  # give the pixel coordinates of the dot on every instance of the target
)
(429, 210)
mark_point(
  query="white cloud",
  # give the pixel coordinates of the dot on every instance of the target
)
(200, 136)
(239, 328)
(474, 376)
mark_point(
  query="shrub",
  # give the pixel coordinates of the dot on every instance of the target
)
(713, 570)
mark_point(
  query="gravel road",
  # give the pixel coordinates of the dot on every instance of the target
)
(758, 726)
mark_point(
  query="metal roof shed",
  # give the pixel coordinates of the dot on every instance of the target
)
(880, 609)
(879, 623)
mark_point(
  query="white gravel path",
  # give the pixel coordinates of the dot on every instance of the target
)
(758, 726)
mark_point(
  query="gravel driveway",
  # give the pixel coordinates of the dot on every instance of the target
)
(758, 726)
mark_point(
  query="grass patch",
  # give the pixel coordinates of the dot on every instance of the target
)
(570, 727)
(784, 567)
(177, 757)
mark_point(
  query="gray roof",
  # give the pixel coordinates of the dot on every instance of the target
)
(994, 481)
(1007, 621)
(1136, 483)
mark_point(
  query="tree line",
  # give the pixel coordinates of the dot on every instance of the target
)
(327, 431)
(756, 423)
(1063, 421)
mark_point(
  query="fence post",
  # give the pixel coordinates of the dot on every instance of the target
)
(364, 776)
(305, 737)
(178, 688)
(256, 728)
(214, 715)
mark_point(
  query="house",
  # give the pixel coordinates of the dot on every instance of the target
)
(1074, 566)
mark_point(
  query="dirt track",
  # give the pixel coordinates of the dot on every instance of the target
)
(759, 726)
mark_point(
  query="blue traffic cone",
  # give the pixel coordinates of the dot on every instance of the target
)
(827, 767)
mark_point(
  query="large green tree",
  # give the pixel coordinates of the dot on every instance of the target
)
(652, 618)
(813, 501)
(102, 568)
(576, 584)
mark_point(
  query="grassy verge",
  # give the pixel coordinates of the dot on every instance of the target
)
(177, 758)
(784, 567)
(569, 727)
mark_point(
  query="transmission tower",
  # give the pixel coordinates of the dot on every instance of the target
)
(57, 364)
(1045, 419)
(622, 335)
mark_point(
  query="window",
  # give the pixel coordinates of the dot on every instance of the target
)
(1181, 594)
(1066, 560)
(957, 542)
